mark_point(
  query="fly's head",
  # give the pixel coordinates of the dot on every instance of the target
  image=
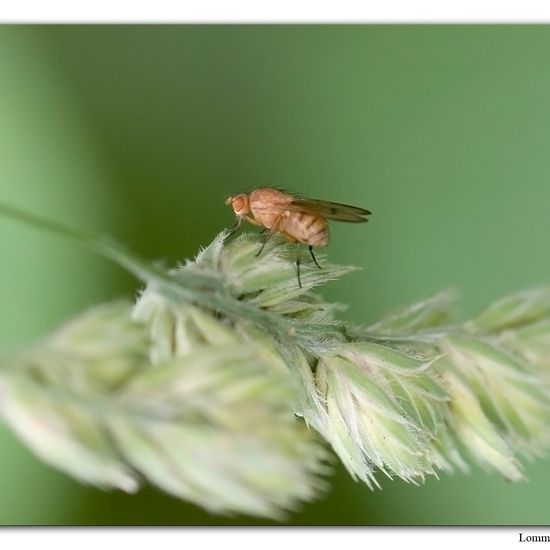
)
(240, 204)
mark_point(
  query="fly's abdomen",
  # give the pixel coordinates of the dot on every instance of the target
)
(306, 228)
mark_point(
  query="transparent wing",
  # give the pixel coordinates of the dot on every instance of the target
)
(330, 210)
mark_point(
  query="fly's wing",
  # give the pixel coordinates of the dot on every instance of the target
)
(330, 210)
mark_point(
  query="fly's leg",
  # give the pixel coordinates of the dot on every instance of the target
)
(233, 229)
(298, 261)
(274, 228)
(266, 240)
(313, 256)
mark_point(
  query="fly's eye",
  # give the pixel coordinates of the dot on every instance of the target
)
(239, 204)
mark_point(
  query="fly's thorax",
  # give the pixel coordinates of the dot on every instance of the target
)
(306, 228)
(268, 205)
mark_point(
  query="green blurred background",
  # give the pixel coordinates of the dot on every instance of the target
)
(141, 131)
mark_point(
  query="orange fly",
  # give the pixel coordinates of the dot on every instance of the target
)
(297, 219)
